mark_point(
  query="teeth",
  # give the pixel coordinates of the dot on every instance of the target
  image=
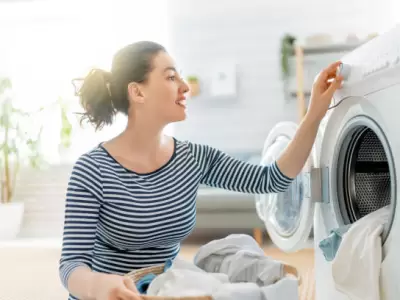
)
(182, 102)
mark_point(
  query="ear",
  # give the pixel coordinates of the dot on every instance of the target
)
(135, 92)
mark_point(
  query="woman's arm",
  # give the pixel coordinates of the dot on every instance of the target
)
(295, 155)
(293, 158)
(84, 195)
(220, 170)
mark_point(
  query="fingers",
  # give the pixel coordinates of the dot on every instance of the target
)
(125, 294)
(328, 73)
(129, 284)
(335, 84)
(333, 67)
(131, 287)
(126, 291)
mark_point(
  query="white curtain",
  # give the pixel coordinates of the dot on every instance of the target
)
(44, 44)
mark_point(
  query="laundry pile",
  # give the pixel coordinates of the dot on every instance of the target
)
(355, 252)
(232, 268)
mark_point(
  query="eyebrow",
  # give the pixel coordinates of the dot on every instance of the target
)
(170, 69)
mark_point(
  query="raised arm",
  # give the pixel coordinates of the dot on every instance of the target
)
(84, 196)
(223, 171)
(295, 155)
(220, 170)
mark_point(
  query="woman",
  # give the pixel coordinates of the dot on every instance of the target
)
(132, 200)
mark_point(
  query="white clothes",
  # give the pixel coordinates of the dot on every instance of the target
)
(231, 268)
(356, 267)
(240, 257)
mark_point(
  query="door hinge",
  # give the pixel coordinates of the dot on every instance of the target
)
(315, 185)
(325, 184)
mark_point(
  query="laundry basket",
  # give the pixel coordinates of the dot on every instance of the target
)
(157, 270)
(136, 275)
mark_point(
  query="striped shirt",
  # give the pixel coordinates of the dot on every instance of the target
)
(117, 220)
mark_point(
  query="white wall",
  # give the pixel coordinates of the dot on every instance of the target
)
(248, 33)
(43, 45)
(202, 34)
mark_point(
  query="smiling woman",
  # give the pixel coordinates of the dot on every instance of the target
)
(65, 40)
(140, 70)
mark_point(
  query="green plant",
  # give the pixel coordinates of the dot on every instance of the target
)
(14, 141)
(192, 79)
(20, 139)
(66, 126)
(287, 48)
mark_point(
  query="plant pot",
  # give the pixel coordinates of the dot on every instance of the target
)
(194, 88)
(10, 219)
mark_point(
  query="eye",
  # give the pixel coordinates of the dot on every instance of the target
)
(172, 77)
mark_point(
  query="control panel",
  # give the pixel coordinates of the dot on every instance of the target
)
(343, 70)
(371, 67)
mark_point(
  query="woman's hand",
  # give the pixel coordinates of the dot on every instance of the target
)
(114, 287)
(325, 85)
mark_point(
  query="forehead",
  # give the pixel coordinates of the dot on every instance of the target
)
(163, 61)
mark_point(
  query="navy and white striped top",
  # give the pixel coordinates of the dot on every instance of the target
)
(117, 220)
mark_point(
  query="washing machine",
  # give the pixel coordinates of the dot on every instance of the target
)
(352, 169)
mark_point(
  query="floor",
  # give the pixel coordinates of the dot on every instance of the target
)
(30, 272)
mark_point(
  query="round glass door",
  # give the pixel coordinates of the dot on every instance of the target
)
(288, 216)
(283, 209)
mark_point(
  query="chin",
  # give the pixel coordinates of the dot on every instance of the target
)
(179, 118)
(182, 118)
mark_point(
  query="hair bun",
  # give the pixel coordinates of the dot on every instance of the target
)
(95, 98)
(100, 74)
(107, 76)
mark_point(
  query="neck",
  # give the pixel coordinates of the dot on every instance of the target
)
(144, 137)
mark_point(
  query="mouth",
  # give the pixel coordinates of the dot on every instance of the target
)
(181, 103)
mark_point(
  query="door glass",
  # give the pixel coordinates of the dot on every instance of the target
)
(283, 209)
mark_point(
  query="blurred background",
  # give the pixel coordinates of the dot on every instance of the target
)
(250, 64)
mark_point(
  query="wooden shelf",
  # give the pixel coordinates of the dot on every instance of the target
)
(330, 48)
(300, 81)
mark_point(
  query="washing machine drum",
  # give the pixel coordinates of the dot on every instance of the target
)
(364, 179)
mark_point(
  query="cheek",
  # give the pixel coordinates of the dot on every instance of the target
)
(163, 97)
(168, 92)
(161, 92)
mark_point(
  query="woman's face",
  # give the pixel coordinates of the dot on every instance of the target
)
(163, 93)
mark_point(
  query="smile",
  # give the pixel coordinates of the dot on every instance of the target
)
(181, 103)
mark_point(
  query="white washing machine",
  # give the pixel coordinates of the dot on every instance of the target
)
(352, 170)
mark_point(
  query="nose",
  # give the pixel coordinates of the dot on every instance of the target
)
(184, 87)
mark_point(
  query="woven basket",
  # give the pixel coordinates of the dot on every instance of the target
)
(159, 269)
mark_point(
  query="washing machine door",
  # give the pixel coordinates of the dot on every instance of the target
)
(288, 216)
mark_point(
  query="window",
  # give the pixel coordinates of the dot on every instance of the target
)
(47, 43)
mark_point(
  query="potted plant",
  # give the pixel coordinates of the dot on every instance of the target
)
(287, 49)
(66, 129)
(19, 145)
(194, 85)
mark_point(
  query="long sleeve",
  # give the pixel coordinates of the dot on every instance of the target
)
(83, 199)
(223, 171)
